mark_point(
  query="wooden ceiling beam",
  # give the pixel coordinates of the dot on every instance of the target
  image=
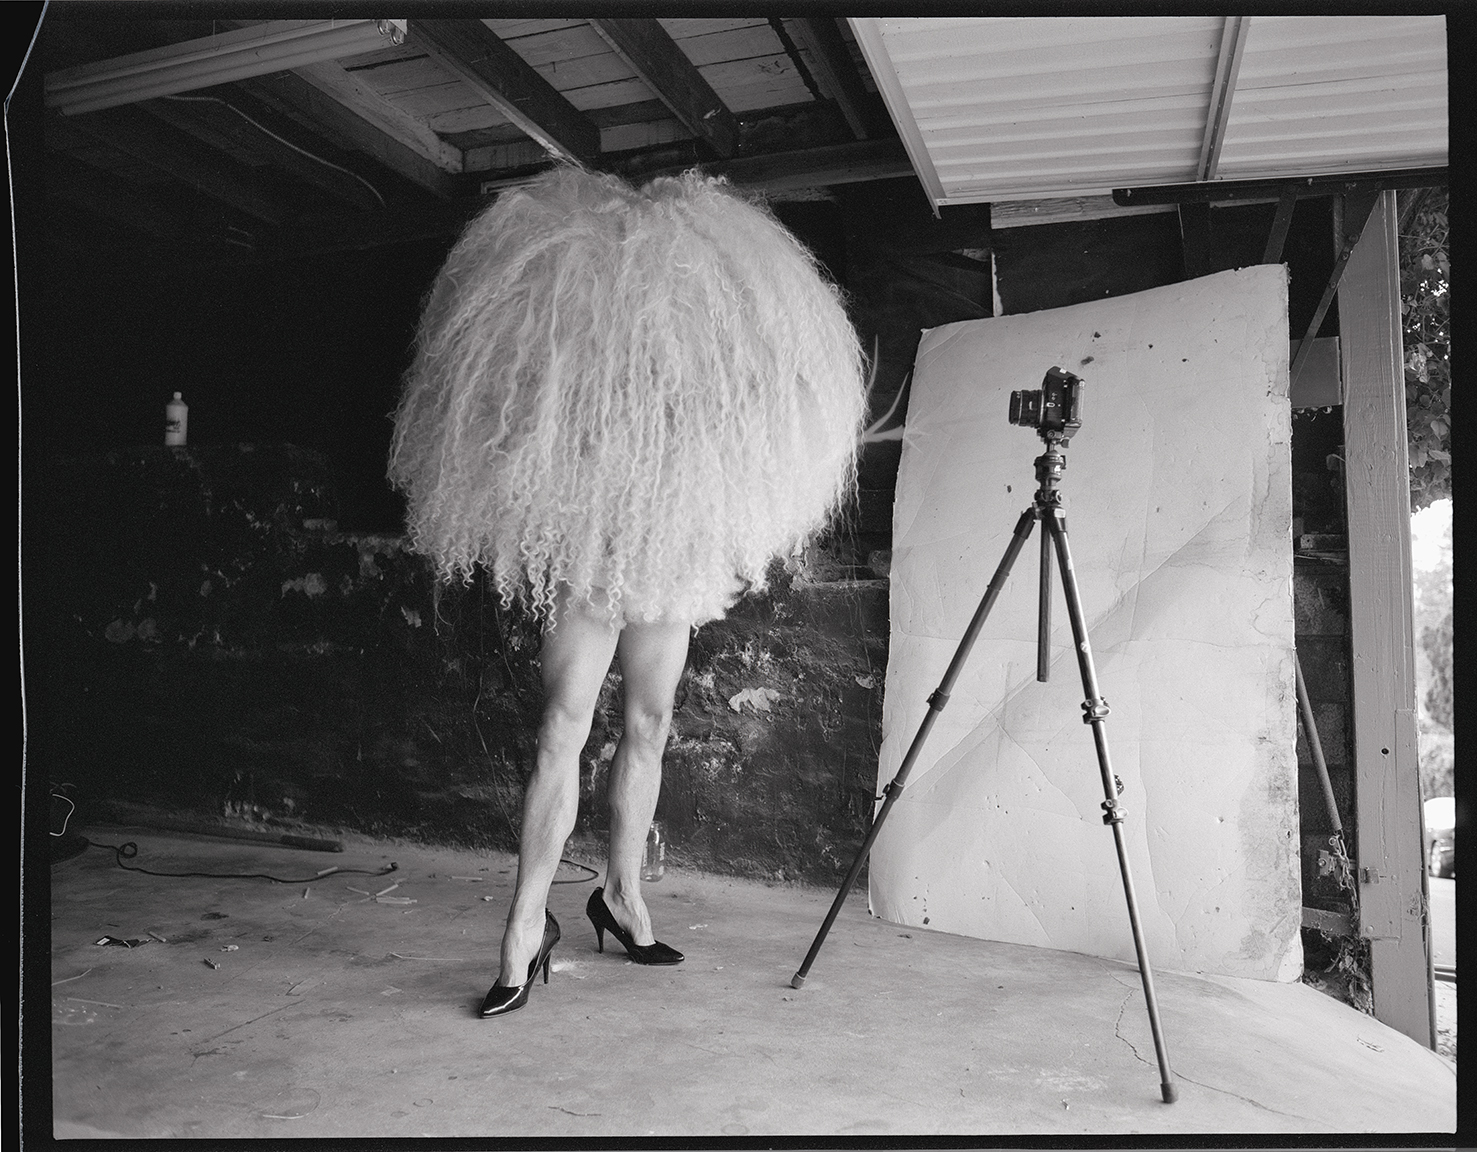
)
(184, 158)
(308, 104)
(656, 58)
(472, 53)
(818, 167)
(833, 67)
(209, 118)
(358, 98)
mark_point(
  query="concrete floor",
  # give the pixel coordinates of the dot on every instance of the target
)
(325, 1013)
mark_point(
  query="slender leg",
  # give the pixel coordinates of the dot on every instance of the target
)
(1095, 710)
(574, 659)
(652, 657)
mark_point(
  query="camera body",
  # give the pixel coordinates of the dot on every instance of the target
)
(1054, 409)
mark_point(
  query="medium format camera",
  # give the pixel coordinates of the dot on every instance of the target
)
(1054, 409)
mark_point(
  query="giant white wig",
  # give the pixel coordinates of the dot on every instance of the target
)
(640, 397)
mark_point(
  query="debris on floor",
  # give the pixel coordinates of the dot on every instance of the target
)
(116, 942)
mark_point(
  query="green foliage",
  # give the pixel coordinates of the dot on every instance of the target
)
(1437, 642)
(1425, 298)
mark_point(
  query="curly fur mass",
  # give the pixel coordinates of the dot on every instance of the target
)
(641, 395)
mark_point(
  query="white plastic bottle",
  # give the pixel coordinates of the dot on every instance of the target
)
(176, 421)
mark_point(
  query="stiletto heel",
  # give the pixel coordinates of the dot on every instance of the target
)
(604, 921)
(501, 1000)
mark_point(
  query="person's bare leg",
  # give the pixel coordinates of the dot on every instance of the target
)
(652, 657)
(574, 659)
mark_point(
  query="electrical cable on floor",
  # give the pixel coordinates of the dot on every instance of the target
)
(129, 850)
(593, 872)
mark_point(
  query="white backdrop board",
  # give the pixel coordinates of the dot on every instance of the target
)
(1179, 514)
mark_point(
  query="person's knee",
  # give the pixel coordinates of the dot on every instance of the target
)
(563, 730)
(647, 726)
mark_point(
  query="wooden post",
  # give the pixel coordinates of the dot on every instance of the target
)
(1390, 856)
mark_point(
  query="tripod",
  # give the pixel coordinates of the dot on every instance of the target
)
(1047, 507)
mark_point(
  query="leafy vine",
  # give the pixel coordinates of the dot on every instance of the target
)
(1425, 298)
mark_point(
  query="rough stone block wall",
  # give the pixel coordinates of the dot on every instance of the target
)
(217, 647)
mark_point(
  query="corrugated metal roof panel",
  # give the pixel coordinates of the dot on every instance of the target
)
(1344, 93)
(1016, 107)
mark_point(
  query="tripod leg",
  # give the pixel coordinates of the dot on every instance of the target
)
(1043, 614)
(1095, 710)
(936, 704)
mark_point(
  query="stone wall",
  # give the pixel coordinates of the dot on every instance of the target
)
(218, 647)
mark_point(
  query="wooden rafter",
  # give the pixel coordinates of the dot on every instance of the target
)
(816, 167)
(469, 51)
(833, 67)
(310, 105)
(162, 147)
(356, 96)
(656, 58)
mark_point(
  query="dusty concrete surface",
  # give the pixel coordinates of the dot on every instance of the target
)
(326, 1013)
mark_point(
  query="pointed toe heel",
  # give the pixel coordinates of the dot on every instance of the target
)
(500, 1000)
(604, 921)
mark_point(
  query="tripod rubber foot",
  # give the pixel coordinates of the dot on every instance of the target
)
(797, 980)
(1171, 1093)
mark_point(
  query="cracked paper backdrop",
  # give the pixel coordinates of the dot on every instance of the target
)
(1179, 516)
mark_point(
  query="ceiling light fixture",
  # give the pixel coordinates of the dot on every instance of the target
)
(275, 46)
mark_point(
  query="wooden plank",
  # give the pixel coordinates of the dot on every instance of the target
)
(817, 167)
(1387, 784)
(497, 157)
(355, 93)
(747, 85)
(467, 49)
(506, 30)
(402, 76)
(161, 147)
(631, 91)
(646, 134)
(645, 45)
(310, 105)
(756, 41)
(684, 28)
(554, 49)
(483, 117)
(1320, 385)
(831, 64)
(1059, 209)
(584, 71)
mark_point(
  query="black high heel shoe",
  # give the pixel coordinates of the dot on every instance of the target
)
(499, 1000)
(604, 921)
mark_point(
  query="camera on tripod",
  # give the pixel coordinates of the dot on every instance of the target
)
(1054, 409)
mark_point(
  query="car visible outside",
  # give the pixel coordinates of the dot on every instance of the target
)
(1441, 836)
